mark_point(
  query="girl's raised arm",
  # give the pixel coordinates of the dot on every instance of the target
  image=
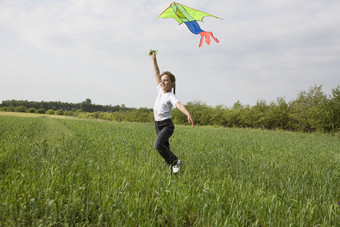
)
(155, 67)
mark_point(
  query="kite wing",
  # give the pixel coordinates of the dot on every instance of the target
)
(189, 16)
(183, 13)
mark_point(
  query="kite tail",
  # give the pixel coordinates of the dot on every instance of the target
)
(207, 35)
(195, 28)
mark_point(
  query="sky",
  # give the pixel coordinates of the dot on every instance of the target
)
(71, 50)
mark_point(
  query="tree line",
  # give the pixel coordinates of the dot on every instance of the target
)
(85, 106)
(311, 111)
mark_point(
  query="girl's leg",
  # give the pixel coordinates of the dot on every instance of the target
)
(162, 143)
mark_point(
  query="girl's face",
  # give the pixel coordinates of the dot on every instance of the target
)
(166, 83)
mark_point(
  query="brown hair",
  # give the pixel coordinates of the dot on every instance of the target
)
(172, 78)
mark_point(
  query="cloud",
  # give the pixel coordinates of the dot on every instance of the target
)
(72, 50)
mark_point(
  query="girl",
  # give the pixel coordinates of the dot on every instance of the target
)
(166, 99)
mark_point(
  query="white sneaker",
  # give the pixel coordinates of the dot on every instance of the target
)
(175, 168)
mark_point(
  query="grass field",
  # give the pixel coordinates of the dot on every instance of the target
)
(67, 171)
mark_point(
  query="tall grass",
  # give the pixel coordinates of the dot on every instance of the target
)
(82, 172)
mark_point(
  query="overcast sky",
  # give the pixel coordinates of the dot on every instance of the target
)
(70, 50)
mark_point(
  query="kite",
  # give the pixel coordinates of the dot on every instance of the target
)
(190, 17)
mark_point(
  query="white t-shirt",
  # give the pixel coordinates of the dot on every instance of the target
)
(164, 104)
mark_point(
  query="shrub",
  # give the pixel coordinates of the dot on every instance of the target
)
(50, 111)
(41, 111)
(77, 113)
(68, 113)
(32, 110)
(59, 112)
(21, 109)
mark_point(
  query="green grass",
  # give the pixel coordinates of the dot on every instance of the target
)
(82, 172)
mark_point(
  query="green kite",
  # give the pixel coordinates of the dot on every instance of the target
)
(189, 16)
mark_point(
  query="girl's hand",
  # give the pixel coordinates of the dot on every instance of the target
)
(152, 53)
(190, 120)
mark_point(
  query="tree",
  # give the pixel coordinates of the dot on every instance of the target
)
(308, 112)
(86, 105)
(218, 116)
(334, 109)
(235, 115)
(277, 116)
(257, 114)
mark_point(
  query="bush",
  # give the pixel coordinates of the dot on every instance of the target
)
(21, 109)
(4, 109)
(69, 113)
(77, 113)
(32, 110)
(50, 111)
(41, 111)
(59, 112)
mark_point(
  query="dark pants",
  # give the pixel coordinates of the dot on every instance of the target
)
(164, 130)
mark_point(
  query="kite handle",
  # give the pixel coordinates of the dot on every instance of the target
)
(152, 51)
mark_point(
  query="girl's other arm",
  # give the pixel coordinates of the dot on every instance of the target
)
(155, 67)
(186, 112)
